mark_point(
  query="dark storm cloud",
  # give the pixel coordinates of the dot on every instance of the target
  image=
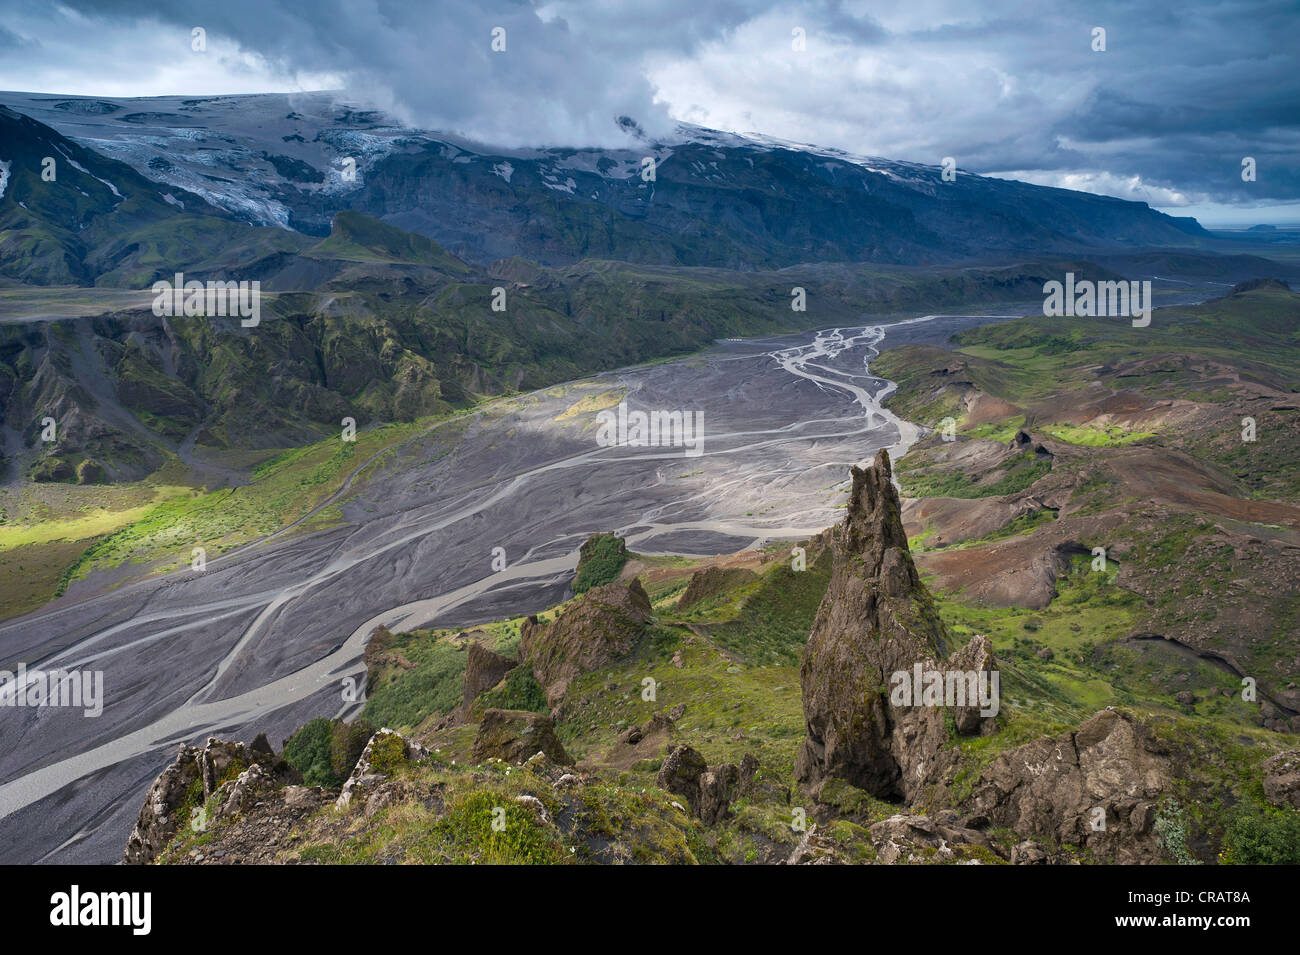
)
(1181, 94)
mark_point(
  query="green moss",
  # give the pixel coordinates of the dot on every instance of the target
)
(518, 691)
(387, 753)
(848, 800)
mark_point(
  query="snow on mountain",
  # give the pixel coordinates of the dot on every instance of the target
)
(243, 152)
(720, 199)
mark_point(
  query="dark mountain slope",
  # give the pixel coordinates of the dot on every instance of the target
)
(716, 199)
(99, 222)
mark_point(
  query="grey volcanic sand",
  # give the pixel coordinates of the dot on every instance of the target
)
(263, 639)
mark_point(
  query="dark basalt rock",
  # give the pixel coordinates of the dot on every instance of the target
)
(483, 670)
(707, 790)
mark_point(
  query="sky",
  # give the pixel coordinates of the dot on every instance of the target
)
(1166, 113)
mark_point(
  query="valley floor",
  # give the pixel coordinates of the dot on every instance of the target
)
(1004, 520)
(267, 635)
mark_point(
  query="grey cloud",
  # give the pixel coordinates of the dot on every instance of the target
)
(1180, 95)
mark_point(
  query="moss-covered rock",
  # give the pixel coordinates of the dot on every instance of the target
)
(603, 625)
(515, 735)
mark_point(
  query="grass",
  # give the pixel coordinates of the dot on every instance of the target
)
(282, 490)
(1017, 474)
(589, 404)
(771, 626)
(1024, 524)
(401, 698)
(45, 531)
(476, 817)
(1001, 431)
(54, 534)
(1111, 436)
(97, 523)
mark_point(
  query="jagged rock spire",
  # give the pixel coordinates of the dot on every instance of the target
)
(876, 619)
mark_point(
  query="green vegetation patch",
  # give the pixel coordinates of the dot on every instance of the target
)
(1111, 436)
(518, 691)
(600, 561)
(428, 680)
(772, 624)
(1015, 475)
(325, 751)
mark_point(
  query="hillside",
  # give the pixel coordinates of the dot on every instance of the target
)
(633, 724)
(97, 221)
(1171, 447)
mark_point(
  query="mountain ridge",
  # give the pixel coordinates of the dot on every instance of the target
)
(715, 199)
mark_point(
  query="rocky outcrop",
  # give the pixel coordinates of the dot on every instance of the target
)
(380, 654)
(1024, 441)
(657, 728)
(709, 791)
(876, 620)
(1282, 779)
(177, 796)
(158, 821)
(902, 839)
(386, 752)
(712, 581)
(600, 561)
(976, 657)
(516, 735)
(908, 838)
(815, 848)
(258, 821)
(483, 670)
(1097, 787)
(604, 625)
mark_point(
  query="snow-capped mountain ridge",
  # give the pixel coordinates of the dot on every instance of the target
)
(717, 198)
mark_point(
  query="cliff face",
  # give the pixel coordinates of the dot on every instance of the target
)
(876, 620)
